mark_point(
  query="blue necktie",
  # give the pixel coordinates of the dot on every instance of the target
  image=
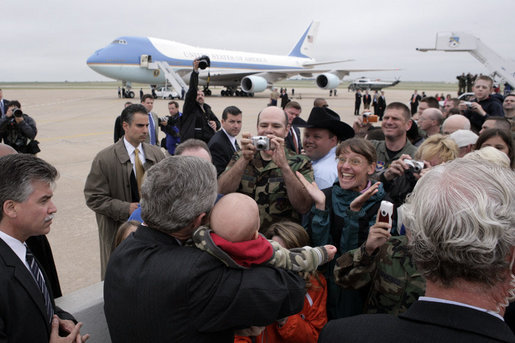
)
(2, 105)
(152, 130)
(40, 281)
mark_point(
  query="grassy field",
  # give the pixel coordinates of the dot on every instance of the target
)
(408, 85)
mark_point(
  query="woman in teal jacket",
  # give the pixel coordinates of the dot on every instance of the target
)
(343, 214)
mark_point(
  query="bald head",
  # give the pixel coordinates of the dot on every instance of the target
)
(455, 122)
(6, 150)
(430, 120)
(273, 111)
(235, 218)
(194, 147)
(197, 152)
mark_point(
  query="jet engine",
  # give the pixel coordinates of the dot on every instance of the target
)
(327, 81)
(253, 84)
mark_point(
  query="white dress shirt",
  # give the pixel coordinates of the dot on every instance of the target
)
(130, 150)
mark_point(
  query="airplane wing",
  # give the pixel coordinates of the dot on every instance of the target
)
(275, 75)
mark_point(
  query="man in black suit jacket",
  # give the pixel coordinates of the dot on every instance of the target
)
(293, 140)
(157, 289)
(424, 321)
(27, 308)
(381, 105)
(3, 104)
(464, 249)
(414, 100)
(224, 144)
(367, 99)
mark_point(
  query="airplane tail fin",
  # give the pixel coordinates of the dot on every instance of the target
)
(304, 46)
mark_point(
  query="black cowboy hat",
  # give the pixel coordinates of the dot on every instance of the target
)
(325, 118)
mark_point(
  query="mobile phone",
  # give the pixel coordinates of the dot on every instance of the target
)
(385, 213)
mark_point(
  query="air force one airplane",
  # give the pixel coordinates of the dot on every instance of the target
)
(157, 61)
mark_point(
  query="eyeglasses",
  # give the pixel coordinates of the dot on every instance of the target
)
(352, 161)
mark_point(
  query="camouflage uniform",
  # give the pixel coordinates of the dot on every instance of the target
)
(384, 160)
(393, 279)
(306, 259)
(263, 181)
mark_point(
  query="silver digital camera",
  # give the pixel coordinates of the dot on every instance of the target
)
(261, 142)
(414, 165)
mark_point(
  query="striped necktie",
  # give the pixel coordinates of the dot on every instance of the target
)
(40, 281)
(152, 130)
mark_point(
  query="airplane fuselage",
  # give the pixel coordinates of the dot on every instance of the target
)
(121, 60)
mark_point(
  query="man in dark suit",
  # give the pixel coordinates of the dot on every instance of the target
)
(357, 102)
(153, 120)
(367, 99)
(3, 104)
(118, 125)
(293, 140)
(224, 144)
(157, 289)
(465, 250)
(381, 105)
(27, 309)
(197, 120)
(415, 98)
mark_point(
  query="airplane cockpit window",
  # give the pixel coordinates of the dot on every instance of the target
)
(119, 41)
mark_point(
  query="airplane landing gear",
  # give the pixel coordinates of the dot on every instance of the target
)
(127, 93)
(235, 92)
(207, 91)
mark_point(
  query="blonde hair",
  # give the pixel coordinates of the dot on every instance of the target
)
(440, 146)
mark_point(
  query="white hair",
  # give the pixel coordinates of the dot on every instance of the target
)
(490, 154)
(461, 220)
(176, 191)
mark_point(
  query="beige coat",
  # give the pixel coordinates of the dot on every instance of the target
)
(108, 191)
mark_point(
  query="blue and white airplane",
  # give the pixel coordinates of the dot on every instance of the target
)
(157, 61)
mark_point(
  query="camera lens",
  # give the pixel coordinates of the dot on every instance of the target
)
(204, 62)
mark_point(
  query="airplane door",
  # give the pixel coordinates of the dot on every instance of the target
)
(144, 60)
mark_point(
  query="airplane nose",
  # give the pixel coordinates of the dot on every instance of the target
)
(95, 58)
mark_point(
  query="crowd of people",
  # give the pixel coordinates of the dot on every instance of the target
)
(279, 236)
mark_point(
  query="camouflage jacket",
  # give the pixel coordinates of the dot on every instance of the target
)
(264, 182)
(306, 259)
(384, 160)
(390, 273)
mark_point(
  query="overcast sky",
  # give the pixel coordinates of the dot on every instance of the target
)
(51, 40)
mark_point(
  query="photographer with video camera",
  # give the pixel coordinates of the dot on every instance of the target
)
(198, 120)
(265, 170)
(169, 127)
(19, 130)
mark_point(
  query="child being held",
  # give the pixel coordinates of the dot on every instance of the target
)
(234, 238)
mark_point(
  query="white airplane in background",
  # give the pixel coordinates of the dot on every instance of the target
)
(157, 61)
